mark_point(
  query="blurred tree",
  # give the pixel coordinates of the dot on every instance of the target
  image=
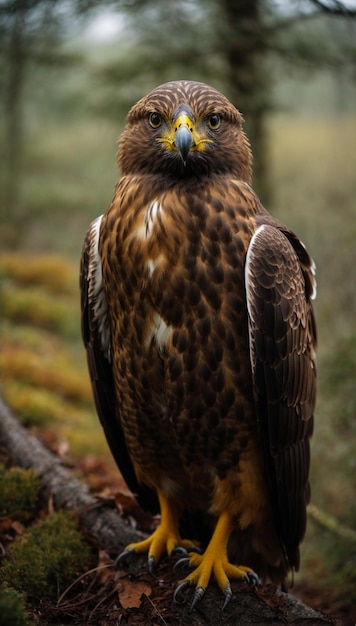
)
(30, 34)
(234, 44)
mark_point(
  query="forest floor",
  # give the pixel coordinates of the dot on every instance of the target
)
(105, 480)
(104, 596)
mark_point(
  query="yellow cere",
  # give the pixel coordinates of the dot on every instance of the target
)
(199, 136)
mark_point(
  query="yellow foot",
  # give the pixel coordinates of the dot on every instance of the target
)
(165, 538)
(220, 568)
(214, 562)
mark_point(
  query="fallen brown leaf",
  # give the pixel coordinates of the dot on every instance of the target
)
(106, 571)
(130, 592)
(17, 527)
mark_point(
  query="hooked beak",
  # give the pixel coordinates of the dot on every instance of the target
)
(183, 137)
(183, 141)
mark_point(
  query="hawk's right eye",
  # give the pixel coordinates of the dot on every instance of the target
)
(155, 120)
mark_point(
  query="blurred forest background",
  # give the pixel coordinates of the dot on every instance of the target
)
(69, 72)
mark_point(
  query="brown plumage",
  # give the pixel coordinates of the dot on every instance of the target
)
(200, 336)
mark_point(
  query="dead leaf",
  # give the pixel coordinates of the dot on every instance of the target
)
(130, 592)
(62, 448)
(17, 527)
(106, 572)
(125, 499)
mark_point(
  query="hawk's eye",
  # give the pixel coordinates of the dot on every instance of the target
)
(214, 121)
(155, 120)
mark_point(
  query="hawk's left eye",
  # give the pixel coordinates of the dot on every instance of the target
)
(214, 121)
(155, 120)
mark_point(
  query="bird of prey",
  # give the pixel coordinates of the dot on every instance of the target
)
(200, 338)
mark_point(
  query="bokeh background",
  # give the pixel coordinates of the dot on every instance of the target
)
(69, 72)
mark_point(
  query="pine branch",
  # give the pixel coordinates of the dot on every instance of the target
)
(331, 523)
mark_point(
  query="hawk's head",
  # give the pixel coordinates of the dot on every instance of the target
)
(183, 129)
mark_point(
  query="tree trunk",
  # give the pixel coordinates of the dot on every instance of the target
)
(13, 97)
(244, 47)
(103, 522)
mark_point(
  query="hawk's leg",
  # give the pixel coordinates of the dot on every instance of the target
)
(214, 562)
(165, 538)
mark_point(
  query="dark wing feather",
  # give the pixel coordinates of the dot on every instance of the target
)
(279, 285)
(96, 337)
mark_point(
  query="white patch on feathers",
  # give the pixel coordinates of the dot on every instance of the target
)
(152, 264)
(146, 229)
(248, 281)
(152, 212)
(159, 331)
(96, 294)
(248, 275)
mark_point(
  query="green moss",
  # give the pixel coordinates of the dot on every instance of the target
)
(37, 307)
(19, 492)
(11, 608)
(56, 274)
(39, 406)
(43, 369)
(40, 563)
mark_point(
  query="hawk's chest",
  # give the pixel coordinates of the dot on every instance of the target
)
(177, 262)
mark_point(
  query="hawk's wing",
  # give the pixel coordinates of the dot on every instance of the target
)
(279, 286)
(97, 340)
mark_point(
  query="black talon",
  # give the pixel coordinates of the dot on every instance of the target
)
(179, 551)
(195, 549)
(253, 579)
(120, 560)
(151, 565)
(198, 594)
(184, 561)
(228, 596)
(179, 589)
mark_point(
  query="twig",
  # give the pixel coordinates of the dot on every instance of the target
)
(156, 610)
(331, 523)
(77, 580)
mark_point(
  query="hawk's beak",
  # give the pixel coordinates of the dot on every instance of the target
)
(183, 138)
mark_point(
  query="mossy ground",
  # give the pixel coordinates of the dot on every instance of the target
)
(45, 558)
(19, 493)
(12, 608)
(43, 377)
(42, 552)
(43, 374)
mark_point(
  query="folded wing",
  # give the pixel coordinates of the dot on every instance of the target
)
(97, 341)
(279, 287)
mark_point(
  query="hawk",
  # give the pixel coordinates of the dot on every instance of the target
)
(200, 339)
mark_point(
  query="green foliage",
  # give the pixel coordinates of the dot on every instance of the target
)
(331, 558)
(341, 571)
(12, 611)
(45, 559)
(19, 492)
(41, 407)
(31, 368)
(54, 273)
(36, 307)
(338, 381)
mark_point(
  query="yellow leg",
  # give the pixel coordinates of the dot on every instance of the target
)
(165, 538)
(215, 562)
